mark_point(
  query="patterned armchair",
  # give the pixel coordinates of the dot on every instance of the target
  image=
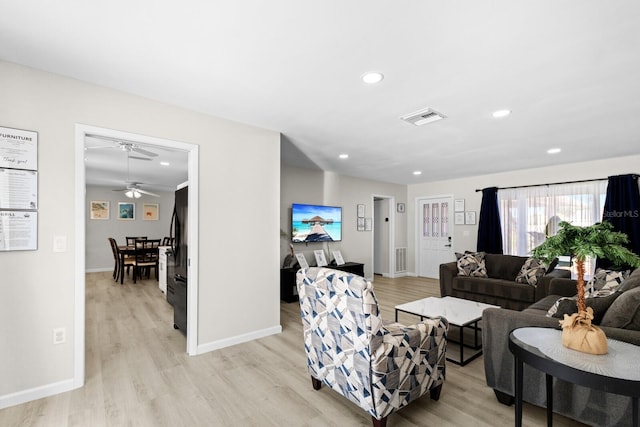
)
(380, 366)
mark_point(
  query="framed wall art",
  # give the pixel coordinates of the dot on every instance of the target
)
(470, 217)
(99, 209)
(150, 211)
(126, 211)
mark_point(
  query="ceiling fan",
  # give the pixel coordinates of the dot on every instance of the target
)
(133, 190)
(125, 146)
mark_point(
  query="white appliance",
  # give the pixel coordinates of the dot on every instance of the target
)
(162, 268)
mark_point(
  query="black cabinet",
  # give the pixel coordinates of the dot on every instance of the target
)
(288, 289)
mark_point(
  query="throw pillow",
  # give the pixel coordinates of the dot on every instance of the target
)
(552, 265)
(554, 308)
(471, 264)
(631, 282)
(624, 312)
(532, 270)
(568, 305)
(605, 282)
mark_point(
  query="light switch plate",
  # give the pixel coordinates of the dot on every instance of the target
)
(60, 244)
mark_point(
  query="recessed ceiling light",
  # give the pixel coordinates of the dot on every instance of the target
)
(501, 113)
(554, 150)
(164, 163)
(372, 77)
(417, 172)
(344, 156)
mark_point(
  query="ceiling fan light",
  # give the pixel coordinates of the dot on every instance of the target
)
(372, 77)
(129, 194)
(136, 194)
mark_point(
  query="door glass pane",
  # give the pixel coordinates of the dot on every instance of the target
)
(425, 220)
(434, 219)
(445, 219)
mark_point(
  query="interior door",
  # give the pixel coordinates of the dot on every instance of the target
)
(435, 228)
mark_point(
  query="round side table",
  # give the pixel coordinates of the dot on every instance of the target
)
(616, 372)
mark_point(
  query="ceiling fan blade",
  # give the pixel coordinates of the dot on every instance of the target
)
(147, 192)
(100, 146)
(120, 189)
(143, 151)
(139, 158)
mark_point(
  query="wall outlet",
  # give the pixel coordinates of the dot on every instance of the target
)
(59, 335)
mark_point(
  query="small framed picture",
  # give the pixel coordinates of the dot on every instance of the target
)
(99, 209)
(321, 261)
(400, 207)
(360, 211)
(458, 218)
(337, 256)
(126, 211)
(360, 224)
(470, 217)
(367, 224)
(458, 205)
(302, 260)
(150, 211)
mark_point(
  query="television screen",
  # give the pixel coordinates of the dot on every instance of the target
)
(314, 223)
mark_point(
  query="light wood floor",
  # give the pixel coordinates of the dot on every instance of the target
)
(137, 374)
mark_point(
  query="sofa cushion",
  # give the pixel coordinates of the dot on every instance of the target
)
(568, 305)
(505, 289)
(532, 270)
(605, 282)
(505, 267)
(471, 264)
(625, 311)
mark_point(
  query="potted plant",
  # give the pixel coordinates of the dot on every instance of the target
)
(597, 240)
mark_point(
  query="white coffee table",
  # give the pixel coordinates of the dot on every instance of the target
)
(459, 312)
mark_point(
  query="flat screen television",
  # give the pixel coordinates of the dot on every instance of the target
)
(315, 223)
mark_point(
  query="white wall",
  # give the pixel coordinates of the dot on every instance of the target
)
(465, 236)
(318, 187)
(98, 256)
(37, 292)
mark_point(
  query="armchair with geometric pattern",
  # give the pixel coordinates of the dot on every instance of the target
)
(380, 366)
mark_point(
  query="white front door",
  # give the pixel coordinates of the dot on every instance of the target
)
(435, 228)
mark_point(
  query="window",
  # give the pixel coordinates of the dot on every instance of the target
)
(528, 215)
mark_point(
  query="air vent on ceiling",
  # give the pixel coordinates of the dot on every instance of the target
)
(422, 117)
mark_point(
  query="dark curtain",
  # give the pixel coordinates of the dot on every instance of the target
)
(489, 228)
(622, 208)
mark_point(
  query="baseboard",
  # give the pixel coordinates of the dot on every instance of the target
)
(238, 339)
(98, 270)
(36, 393)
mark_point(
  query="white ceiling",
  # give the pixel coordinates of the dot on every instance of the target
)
(107, 164)
(568, 70)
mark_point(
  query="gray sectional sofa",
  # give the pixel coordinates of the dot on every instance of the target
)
(500, 287)
(577, 402)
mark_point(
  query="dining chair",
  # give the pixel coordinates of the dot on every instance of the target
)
(167, 241)
(146, 257)
(116, 258)
(132, 240)
(123, 261)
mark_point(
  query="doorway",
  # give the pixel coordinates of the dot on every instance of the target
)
(435, 229)
(81, 131)
(383, 236)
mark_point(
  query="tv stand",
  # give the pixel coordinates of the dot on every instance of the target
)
(288, 289)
